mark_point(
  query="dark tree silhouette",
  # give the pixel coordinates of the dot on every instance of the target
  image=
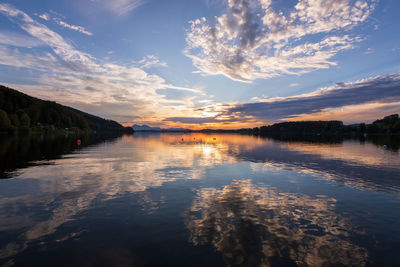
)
(23, 112)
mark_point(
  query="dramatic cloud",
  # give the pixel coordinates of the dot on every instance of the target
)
(70, 76)
(360, 101)
(377, 92)
(252, 40)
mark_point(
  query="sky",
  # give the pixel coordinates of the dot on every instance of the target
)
(206, 63)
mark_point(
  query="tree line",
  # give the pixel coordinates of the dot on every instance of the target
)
(388, 125)
(21, 112)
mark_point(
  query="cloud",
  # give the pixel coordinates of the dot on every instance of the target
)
(76, 78)
(367, 112)
(70, 56)
(45, 16)
(377, 92)
(150, 61)
(196, 120)
(120, 7)
(353, 102)
(252, 40)
(73, 27)
(219, 120)
(18, 40)
(369, 51)
(14, 57)
(57, 19)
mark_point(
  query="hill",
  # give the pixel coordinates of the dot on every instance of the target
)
(102, 125)
(21, 112)
(389, 124)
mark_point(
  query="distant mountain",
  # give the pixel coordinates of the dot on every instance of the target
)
(146, 128)
(21, 112)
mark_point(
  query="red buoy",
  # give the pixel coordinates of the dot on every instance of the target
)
(78, 142)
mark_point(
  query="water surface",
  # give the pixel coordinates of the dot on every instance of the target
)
(199, 200)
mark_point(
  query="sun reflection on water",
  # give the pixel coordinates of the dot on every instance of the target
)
(238, 219)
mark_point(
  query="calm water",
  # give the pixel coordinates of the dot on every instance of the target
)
(198, 200)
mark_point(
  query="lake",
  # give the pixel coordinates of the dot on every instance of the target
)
(194, 199)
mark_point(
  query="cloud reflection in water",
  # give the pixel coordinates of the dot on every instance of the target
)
(44, 198)
(255, 225)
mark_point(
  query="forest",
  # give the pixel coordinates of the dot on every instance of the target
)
(23, 113)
